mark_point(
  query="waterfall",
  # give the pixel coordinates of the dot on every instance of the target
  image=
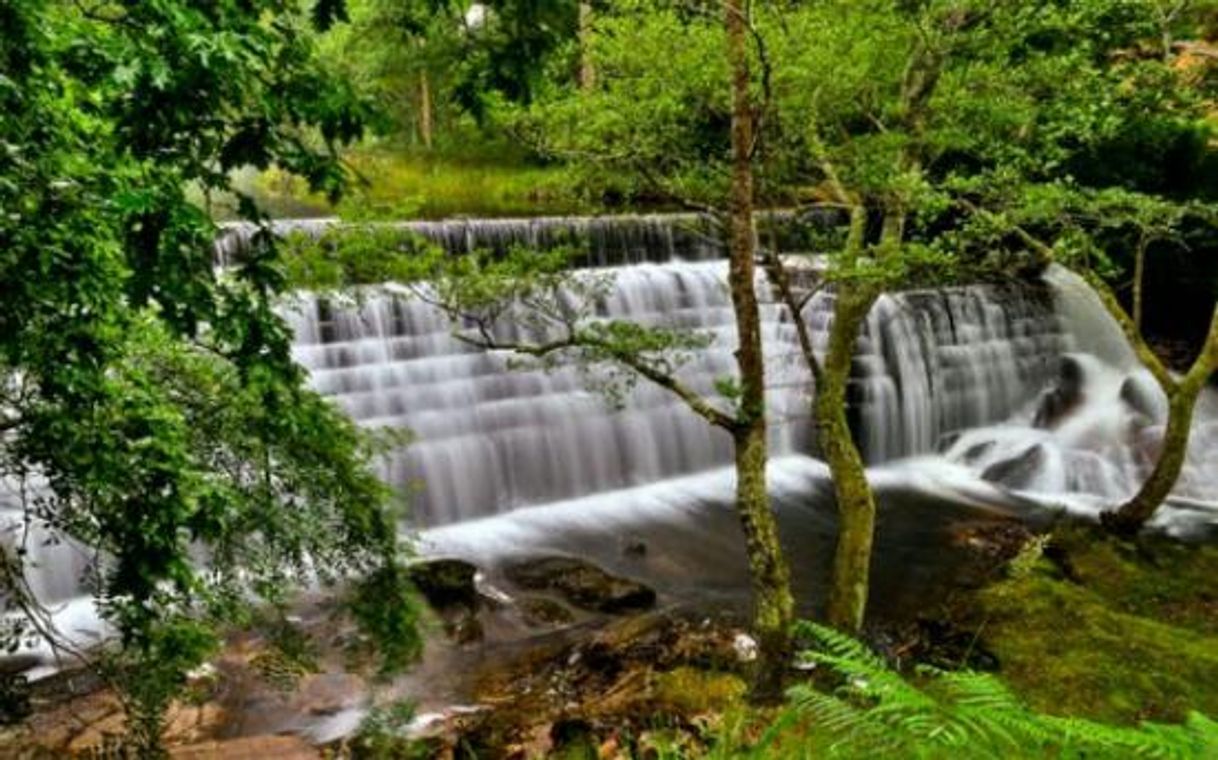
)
(491, 438)
(1016, 397)
(601, 240)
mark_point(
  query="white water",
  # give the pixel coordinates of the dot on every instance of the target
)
(491, 438)
(947, 398)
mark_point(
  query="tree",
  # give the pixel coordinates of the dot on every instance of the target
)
(150, 411)
(1137, 104)
(771, 578)
(927, 124)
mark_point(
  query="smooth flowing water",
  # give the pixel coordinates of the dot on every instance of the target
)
(492, 438)
(1023, 399)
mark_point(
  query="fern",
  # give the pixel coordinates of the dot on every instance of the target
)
(869, 709)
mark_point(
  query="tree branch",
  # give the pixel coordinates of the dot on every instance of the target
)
(695, 401)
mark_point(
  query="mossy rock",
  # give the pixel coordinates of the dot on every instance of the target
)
(541, 612)
(581, 583)
(446, 582)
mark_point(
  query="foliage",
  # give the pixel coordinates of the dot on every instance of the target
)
(150, 411)
(381, 734)
(473, 54)
(874, 710)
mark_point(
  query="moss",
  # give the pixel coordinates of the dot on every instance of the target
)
(1156, 578)
(690, 691)
(1127, 634)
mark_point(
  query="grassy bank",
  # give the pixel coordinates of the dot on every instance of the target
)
(404, 184)
(1108, 630)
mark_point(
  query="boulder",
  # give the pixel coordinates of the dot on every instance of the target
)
(446, 582)
(582, 584)
(1141, 394)
(1065, 395)
(1019, 471)
(449, 586)
(541, 612)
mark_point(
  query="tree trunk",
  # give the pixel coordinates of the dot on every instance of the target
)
(855, 500)
(1182, 398)
(587, 72)
(425, 116)
(1139, 271)
(774, 606)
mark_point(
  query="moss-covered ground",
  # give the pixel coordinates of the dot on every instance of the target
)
(1109, 630)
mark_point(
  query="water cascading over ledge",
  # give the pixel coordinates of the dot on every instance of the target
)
(602, 240)
(491, 438)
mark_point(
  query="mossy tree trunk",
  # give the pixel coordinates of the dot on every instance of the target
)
(855, 499)
(774, 606)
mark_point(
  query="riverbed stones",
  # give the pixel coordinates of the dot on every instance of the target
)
(1140, 393)
(581, 584)
(543, 612)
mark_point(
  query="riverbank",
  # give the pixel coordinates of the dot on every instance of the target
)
(1076, 623)
(394, 184)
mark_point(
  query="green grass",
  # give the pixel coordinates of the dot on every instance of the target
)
(401, 184)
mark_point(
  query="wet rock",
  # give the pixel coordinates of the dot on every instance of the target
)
(446, 582)
(584, 585)
(977, 451)
(1017, 472)
(14, 698)
(464, 629)
(1142, 395)
(14, 664)
(450, 588)
(1067, 393)
(540, 612)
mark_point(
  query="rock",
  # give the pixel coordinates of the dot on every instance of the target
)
(540, 612)
(1066, 394)
(977, 451)
(446, 582)
(188, 723)
(570, 731)
(249, 748)
(1016, 472)
(745, 646)
(14, 699)
(14, 664)
(582, 584)
(1140, 393)
(449, 586)
(464, 629)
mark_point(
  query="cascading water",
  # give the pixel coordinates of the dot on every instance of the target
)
(1091, 438)
(491, 439)
(972, 397)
